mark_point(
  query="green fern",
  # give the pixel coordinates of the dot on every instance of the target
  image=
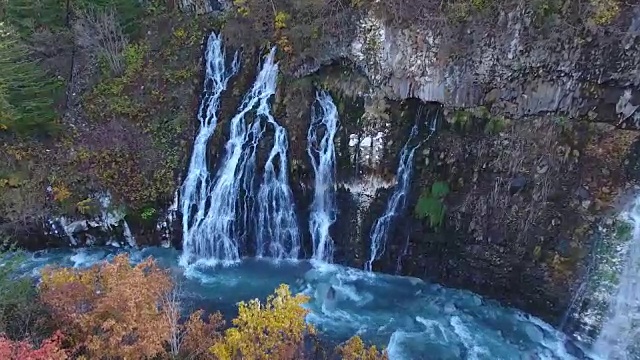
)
(439, 189)
(431, 206)
(148, 213)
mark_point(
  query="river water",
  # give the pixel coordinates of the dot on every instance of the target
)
(411, 318)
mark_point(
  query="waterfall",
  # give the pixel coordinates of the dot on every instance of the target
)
(621, 331)
(398, 201)
(212, 234)
(323, 159)
(277, 231)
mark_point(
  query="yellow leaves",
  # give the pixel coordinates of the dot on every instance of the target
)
(180, 33)
(241, 7)
(19, 152)
(199, 336)
(134, 56)
(284, 44)
(280, 20)
(274, 330)
(61, 193)
(84, 154)
(12, 181)
(52, 278)
(85, 206)
(354, 349)
(280, 23)
(604, 11)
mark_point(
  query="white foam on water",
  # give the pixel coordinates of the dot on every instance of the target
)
(83, 258)
(468, 339)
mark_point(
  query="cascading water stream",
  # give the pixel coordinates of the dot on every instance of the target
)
(277, 230)
(322, 153)
(621, 331)
(214, 233)
(195, 188)
(398, 201)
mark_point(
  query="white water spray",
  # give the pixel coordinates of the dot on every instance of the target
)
(278, 235)
(398, 201)
(621, 330)
(195, 188)
(212, 235)
(323, 159)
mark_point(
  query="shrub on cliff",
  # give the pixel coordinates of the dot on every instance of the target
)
(430, 204)
(301, 29)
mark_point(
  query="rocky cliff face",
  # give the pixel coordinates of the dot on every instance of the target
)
(510, 64)
(536, 148)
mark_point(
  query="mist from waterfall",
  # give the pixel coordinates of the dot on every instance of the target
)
(398, 202)
(322, 152)
(195, 190)
(621, 330)
(278, 235)
(213, 234)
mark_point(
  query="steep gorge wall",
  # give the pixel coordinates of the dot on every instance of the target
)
(510, 63)
(538, 145)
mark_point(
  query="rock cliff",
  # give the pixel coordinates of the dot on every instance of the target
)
(536, 146)
(509, 63)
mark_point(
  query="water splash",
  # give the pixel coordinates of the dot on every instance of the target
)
(398, 201)
(195, 188)
(323, 159)
(212, 235)
(278, 235)
(618, 338)
(249, 185)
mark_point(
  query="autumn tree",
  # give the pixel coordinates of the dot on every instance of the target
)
(112, 310)
(354, 349)
(119, 311)
(116, 310)
(192, 338)
(50, 349)
(274, 330)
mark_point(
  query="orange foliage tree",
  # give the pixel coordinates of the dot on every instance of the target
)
(195, 337)
(50, 349)
(112, 310)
